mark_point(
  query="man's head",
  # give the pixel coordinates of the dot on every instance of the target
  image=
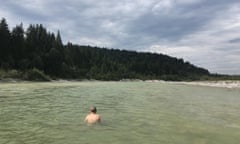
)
(93, 109)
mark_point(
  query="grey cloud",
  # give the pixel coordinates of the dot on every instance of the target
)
(236, 40)
(180, 21)
(19, 11)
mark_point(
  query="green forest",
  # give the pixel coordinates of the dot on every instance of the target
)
(37, 54)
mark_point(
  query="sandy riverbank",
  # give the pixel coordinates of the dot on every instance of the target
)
(223, 84)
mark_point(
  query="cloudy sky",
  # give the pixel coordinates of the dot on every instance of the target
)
(203, 32)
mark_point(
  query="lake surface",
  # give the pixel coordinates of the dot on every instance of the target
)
(132, 113)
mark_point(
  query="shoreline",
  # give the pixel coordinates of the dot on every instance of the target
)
(219, 83)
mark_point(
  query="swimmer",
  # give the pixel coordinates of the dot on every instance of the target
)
(93, 117)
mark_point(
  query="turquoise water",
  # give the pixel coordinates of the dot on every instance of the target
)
(132, 113)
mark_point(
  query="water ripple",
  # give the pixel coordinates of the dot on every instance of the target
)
(132, 112)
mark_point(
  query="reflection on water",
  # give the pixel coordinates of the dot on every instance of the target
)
(132, 112)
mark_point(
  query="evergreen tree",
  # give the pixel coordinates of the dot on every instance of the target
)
(58, 41)
(17, 44)
(4, 44)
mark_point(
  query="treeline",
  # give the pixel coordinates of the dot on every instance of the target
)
(43, 51)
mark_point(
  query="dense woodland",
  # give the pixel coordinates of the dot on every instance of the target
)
(37, 50)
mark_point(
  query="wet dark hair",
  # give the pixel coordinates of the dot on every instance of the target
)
(93, 109)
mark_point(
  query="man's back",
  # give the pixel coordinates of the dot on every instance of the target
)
(93, 117)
